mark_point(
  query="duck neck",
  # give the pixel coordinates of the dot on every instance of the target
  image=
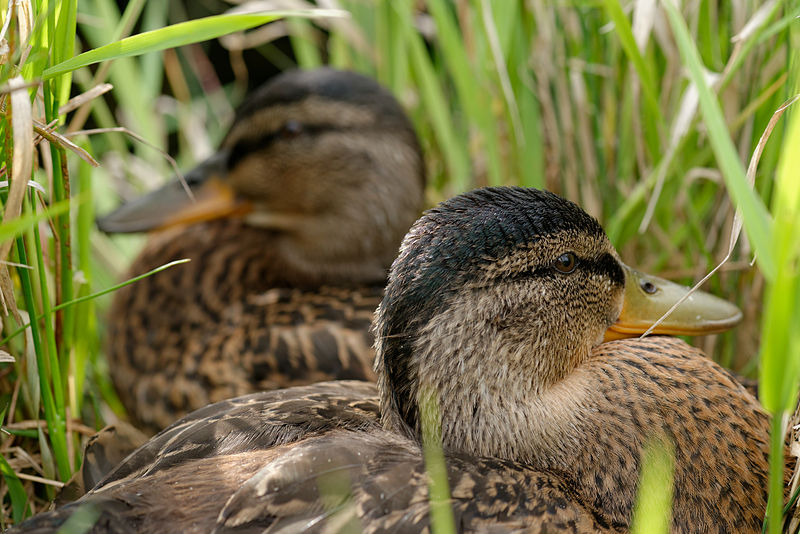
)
(504, 412)
(496, 396)
(325, 252)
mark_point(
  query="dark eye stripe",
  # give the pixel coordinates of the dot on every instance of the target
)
(245, 147)
(604, 265)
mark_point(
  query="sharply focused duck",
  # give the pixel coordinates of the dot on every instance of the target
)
(297, 218)
(492, 325)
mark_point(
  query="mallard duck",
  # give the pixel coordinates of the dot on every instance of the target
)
(297, 219)
(492, 324)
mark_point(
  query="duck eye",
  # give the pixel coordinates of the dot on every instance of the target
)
(291, 128)
(565, 263)
(648, 287)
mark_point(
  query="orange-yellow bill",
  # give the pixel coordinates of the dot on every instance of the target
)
(647, 298)
(212, 198)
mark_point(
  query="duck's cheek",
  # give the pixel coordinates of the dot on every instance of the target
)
(271, 178)
(510, 315)
(614, 308)
(593, 318)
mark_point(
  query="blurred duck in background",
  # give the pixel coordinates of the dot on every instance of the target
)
(293, 226)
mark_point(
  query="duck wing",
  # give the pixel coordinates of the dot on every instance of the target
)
(254, 422)
(311, 458)
(377, 482)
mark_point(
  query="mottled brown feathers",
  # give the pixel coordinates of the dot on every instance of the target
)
(662, 388)
(228, 323)
(307, 459)
(316, 457)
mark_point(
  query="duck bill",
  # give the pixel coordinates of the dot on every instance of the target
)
(211, 198)
(647, 298)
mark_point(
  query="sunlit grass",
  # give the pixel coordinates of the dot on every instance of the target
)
(651, 514)
(47, 287)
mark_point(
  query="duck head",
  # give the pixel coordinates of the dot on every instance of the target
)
(496, 297)
(326, 161)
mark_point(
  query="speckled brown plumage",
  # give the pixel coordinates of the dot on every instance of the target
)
(543, 426)
(214, 461)
(284, 295)
(277, 444)
(224, 325)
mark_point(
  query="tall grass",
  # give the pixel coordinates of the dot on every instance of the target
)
(592, 102)
(643, 113)
(46, 289)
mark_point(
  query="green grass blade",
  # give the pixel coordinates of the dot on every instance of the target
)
(176, 35)
(151, 65)
(87, 298)
(64, 43)
(756, 218)
(132, 12)
(19, 499)
(16, 227)
(781, 25)
(57, 371)
(85, 348)
(499, 68)
(505, 16)
(652, 511)
(81, 521)
(780, 360)
(55, 424)
(441, 514)
(134, 90)
(305, 49)
(747, 46)
(63, 223)
(625, 34)
(780, 350)
(470, 99)
(435, 105)
(47, 461)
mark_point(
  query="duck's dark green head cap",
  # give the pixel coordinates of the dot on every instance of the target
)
(443, 247)
(444, 251)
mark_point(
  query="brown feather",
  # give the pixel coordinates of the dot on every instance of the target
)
(224, 325)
